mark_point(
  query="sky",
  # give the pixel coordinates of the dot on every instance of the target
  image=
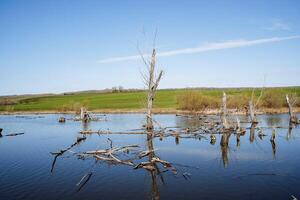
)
(72, 45)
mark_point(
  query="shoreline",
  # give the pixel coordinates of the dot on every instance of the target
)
(155, 111)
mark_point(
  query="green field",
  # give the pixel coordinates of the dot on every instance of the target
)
(165, 99)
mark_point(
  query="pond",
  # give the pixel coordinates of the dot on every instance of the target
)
(251, 168)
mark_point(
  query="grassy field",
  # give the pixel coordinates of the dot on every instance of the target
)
(165, 99)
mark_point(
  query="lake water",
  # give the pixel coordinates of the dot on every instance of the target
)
(254, 168)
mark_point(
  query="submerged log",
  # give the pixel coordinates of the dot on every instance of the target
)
(84, 180)
(14, 134)
(108, 154)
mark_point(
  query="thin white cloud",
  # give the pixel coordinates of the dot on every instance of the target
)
(278, 25)
(204, 48)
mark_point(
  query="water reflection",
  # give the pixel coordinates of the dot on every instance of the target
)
(252, 132)
(179, 150)
(224, 148)
(273, 120)
(153, 173)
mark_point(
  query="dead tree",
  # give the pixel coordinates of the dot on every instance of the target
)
(152, 84)
(84, 115)
(224, 112)
(252, 106)
(293, 117)
(252, 113)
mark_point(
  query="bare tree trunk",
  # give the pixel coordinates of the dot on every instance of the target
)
(293, 118)
(152, 86)
(252, 113)
(84, 115)
(224, 112)
(82, 111)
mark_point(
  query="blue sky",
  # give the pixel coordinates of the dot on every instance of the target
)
(60, 45)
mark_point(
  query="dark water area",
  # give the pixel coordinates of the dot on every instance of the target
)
(253, 168)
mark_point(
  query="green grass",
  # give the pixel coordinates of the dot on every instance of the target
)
(125, 100)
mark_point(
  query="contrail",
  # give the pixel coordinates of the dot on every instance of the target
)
(204, 48)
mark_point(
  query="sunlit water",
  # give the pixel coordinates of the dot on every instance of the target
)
(253, 169)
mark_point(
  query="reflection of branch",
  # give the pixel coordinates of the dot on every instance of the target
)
(61, 152)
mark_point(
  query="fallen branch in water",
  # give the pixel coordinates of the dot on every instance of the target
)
(61, 152)
(11, 134)
(79, 139)
(152, 163)
(84, 180)
(14, 134)
(109, 132)
(108, 154)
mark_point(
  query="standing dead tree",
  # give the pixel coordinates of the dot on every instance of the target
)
(224, 112)
(252, 113)
(293, 117)
(152, 83)
(253, 105)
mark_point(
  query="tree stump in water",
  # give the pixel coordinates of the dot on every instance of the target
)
(62, 120)
(293, 117)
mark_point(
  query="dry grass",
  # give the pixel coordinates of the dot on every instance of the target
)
(195, 101)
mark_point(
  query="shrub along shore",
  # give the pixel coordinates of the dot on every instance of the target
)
(208, 100)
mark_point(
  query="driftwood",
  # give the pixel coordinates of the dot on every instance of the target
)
(108, 154)
(110, 132)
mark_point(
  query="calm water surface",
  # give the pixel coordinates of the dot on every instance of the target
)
(250, 169)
